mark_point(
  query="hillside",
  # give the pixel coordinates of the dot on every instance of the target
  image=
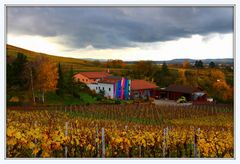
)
(31, 55)
(67, 63)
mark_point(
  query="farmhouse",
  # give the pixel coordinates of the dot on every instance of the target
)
(142, 89)
(174, 92)
(123, 88)
(113, 87)
(90, 77)
(116, 87)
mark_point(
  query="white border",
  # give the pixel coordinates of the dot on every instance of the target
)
(123, 3)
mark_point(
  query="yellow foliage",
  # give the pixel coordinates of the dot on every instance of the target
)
(47, 140)
(46, 75)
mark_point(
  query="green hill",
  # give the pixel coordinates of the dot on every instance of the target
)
(12, 52)
(77, 64)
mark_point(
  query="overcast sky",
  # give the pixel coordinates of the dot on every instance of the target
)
(127, 33)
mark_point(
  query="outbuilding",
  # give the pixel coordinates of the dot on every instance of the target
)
(174, 92)
(142, 89)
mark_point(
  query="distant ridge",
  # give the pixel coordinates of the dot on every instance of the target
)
(192, 61)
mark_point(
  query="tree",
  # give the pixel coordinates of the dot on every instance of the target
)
(46, 76)
(10, 76)
(74, 87)
(165, 68)
(70, 81)
(164, 77)
(216, 74)
(182, 78)
(96, 63)
(60, 83)
(115, 64)
(144, 70)
(198, 64)
(17, 69)
(30, 76)
(212, 65)
(222, 91)
(191, 77)
(186, 64)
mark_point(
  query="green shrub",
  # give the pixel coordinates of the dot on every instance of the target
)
(117, 101)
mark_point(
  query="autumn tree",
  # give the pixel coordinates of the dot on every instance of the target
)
(182, 78)
(186, 64)
(115, 64)
(218, 87)
(223, 91)
(216, 74)
(46, 76)
(191, 77)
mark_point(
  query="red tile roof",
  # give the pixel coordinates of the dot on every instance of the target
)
(110, 79)
(142, 84)
(94, 75)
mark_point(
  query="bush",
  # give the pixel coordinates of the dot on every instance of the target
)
(117, 101)
(14, 99)
(100, 95)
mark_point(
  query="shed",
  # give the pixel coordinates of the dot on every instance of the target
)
(142, 89)
(174, 92)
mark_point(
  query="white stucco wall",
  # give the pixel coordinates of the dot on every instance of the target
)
(93, 87)
(106, 88)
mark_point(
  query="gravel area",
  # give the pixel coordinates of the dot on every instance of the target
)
(170, 102)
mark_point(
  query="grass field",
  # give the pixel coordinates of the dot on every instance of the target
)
(132, 131)
(54, 99)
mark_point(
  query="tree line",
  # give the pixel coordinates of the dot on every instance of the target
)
(211, 79)
(39, 77)
(44, 75)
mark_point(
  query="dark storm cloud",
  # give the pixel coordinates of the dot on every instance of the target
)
(113, 27)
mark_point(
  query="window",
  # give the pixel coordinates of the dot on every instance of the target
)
(82, 79)
(99, 88)
(96, 88)
(109, 89)
(86, 79)
(103, 88)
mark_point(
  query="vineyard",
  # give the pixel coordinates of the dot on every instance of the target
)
(122, 131)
